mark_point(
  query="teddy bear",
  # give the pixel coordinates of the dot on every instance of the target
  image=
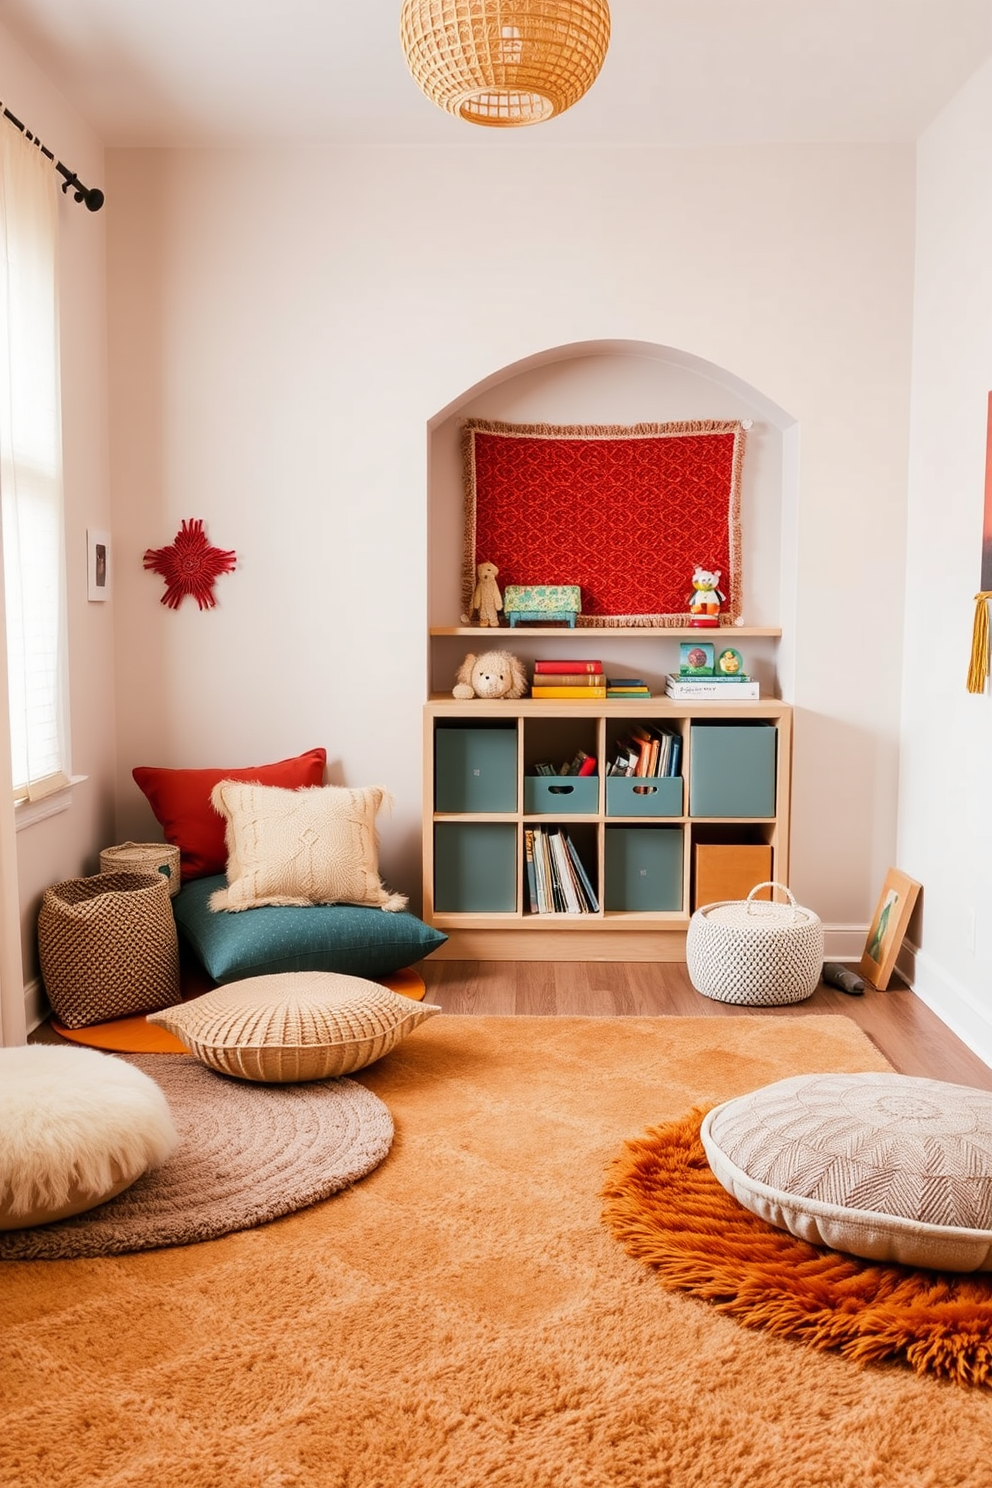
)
(494, 674)
(486, 597)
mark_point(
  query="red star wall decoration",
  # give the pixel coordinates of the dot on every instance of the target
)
(189, 565)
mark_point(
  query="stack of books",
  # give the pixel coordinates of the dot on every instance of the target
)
(736, 689)
(557, 882)
(647, 750)
(581, 763)
(568, 679)
(623, 687)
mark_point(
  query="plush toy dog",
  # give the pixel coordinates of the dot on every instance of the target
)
(494, 674)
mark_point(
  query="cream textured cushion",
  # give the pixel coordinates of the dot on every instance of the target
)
(300, 1025)
(888, 1167)
(312, 846)
(76, 1128)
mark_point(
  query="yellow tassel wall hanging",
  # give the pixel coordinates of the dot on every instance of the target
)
(978, 671)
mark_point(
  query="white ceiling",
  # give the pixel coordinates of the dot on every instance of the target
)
(679, 72)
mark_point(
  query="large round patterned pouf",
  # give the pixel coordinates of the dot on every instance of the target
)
(76, 1128)
(884, 1166)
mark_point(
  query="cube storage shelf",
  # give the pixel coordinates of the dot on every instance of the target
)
(642, 841)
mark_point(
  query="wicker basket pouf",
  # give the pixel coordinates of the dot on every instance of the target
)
(108, 947)
(144, 857)
(755, 952)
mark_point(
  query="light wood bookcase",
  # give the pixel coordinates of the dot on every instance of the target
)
(475, 884)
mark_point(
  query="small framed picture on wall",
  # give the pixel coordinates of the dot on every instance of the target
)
(97, 564)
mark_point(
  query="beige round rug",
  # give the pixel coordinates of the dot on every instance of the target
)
(248, 1154)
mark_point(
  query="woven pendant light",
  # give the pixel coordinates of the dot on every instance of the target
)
(505, 62)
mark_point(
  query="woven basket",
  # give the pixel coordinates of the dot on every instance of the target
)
(755, 952)
(144, 857)
(108, 947)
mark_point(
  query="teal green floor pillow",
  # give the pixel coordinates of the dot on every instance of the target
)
(322, 937)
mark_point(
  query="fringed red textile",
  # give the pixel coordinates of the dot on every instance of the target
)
(627, 513)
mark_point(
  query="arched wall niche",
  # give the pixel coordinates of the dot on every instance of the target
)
(630, 382)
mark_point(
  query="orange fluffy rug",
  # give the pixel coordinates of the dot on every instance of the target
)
(666, 1208)
(462, 1318)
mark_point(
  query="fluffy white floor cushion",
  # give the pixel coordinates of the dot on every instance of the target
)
(76, 1128)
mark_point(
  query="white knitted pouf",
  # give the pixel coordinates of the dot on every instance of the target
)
(76, 1128)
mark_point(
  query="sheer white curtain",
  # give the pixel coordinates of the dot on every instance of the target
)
(31, 467)
(34, 747)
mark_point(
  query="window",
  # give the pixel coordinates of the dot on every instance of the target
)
(31, 520)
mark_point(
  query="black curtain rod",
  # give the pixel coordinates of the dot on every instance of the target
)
(91, 195)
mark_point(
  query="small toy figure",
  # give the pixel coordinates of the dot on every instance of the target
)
(486, 597)
(706, 598)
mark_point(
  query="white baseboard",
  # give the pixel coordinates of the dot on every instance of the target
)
(36, 1008)
(953, 1004)
(844, 942)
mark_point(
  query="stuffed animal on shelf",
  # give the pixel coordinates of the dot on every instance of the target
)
(706, 598)
(486, 597)
(494, 674)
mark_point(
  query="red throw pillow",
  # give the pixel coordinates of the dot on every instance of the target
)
(180, 800)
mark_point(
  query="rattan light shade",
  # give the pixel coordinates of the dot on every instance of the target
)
(505, 62)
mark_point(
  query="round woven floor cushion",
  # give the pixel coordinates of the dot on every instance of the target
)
(298, 1025)
(883, 1166)
(76, 1128)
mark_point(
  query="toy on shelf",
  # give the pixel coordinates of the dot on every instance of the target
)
(545, 603)
(494, 674)
(486, 598)
(706, 598)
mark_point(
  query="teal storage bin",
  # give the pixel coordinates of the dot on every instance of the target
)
(732, 768)
(475, 769)
(653, 795)
(475, 867)
(550, 795)
(643, 869)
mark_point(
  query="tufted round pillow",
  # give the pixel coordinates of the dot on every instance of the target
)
(884, 1166)
(298, 1025)
(76, 1128)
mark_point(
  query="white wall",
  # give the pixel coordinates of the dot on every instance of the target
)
(945, 819)
(285, 326)
(68, 844)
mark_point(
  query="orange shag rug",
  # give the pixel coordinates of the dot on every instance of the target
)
(667, 1209)
(462, 1318)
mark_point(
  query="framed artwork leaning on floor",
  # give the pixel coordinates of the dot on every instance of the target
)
(888, 927)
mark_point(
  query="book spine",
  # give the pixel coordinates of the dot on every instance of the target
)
(531, 875)
(570, 679)
(592, 903)
(588, 765)
(568, 666)
(568, 692)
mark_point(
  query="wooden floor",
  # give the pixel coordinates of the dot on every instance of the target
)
(911, 1037)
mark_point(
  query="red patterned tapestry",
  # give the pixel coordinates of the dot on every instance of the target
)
(627, 513)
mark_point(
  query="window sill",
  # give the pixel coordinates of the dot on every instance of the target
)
(27, 813)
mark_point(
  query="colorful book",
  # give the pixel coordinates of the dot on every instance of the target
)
(567, 667)
(571, 679)
(587, 693)
(588, 765)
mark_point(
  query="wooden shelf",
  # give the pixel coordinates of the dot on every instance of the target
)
(672, 632)
(541, 727)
